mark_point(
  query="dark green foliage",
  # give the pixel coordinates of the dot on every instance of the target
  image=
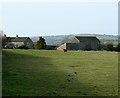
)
(118, 47)
(23, 47)
(40, 44)
(103, 46)
(110, 47)
(50, 47)
(4, 40)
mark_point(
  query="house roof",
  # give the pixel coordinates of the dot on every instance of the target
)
(34, 42)
(84, 38)
(16, 39)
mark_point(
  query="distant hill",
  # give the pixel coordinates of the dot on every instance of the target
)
(59, 39)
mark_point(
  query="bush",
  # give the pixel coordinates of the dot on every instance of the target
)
(107, 46)
(110, 47)
(23, 47)
(103, 46)
(118, 47)
(49, 48)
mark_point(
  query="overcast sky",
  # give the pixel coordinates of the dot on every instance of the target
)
(53, 18)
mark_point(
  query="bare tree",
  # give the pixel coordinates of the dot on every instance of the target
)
(2, 39)
(1, 36)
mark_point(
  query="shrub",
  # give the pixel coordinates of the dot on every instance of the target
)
(118, 47)
(23, 47)
(110, 47)
(103, 46)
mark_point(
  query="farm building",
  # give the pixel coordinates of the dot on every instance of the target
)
(82, 43)
(15, 42)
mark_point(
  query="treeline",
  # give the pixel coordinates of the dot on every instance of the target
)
(110, 47)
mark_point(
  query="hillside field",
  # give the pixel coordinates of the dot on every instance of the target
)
(55, 73)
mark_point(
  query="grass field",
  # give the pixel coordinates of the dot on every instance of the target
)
(55, 73)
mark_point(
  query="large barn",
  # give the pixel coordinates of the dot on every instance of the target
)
(82, 43)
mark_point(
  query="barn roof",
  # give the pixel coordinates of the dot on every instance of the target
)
(16, 39)
(84, 38)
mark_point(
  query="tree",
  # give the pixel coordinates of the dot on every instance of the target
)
(110, 47)
(118, 47)
(2, 38)
(103, 46)
(40, 44)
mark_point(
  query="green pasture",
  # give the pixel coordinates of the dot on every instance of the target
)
(55, 73)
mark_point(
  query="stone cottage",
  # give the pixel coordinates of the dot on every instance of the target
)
(15, 42)
(82, 43)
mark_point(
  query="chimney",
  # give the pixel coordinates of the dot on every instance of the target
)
(16, 36)
(4, 35)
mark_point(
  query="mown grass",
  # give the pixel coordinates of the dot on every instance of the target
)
(53, 73)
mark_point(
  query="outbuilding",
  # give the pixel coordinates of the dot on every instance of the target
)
(82, 43)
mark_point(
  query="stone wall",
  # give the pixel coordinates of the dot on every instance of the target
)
(72, 46)
(29, 43)
(92, 45)
(16, 43)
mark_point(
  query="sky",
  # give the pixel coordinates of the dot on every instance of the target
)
(59, 18)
